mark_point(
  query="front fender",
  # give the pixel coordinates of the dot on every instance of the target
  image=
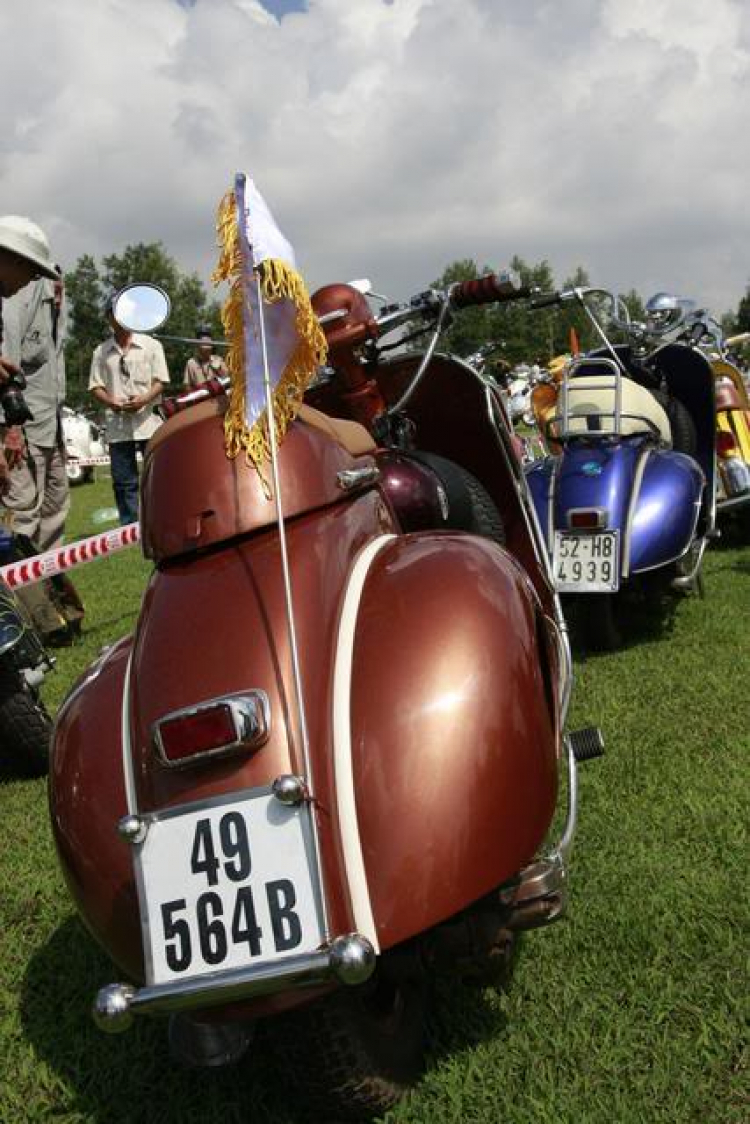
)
(453, 728)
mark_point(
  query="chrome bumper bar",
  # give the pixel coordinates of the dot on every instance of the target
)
(348, 960)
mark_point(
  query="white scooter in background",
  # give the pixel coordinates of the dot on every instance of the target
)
(83, 440)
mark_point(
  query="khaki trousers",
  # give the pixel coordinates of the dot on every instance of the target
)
(39, 497)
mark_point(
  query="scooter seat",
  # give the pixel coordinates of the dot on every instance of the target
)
(591, 407)
(353, 436)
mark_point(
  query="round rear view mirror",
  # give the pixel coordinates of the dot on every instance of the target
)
(141, 308)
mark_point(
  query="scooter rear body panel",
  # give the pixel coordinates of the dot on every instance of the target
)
(651, 495)
(454, 758)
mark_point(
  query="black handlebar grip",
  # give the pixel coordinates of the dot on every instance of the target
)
(545, 300)
(493, 288)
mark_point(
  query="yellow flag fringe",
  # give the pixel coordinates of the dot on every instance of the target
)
(278, 281)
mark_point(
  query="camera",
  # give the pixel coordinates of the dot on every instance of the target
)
(13, 403)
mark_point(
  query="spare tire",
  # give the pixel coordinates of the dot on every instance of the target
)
(471, 507)
(684, 437)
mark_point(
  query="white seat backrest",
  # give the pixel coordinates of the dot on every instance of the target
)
(593, 397)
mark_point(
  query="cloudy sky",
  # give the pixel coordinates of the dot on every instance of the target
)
(392, 137)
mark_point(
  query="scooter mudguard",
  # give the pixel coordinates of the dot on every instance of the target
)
(20, 646)
(666, 511)
(651, 495)
(425, 670)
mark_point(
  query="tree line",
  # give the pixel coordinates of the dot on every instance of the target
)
(519, 336)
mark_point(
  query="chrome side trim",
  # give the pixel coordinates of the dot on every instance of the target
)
(734, 501)
(346, 804)
(685, 581)
(542, 549)
(565, 845)
(541, 892)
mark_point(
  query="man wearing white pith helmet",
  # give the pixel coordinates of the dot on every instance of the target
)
(24, 256)
(36, 493)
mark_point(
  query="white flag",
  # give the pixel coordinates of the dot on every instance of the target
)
(259, 262)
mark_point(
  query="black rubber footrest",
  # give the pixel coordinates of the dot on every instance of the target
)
(587, 744)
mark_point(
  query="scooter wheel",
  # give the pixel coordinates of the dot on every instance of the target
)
(598, 622)
(25, 726)
(354, 1054)
(684, 437)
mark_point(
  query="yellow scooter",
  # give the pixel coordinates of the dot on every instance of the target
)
(733, 430)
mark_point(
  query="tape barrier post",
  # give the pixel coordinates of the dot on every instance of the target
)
(43, 566)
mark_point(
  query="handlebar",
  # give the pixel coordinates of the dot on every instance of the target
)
(546, 300)
(493, 288)
(213, 388)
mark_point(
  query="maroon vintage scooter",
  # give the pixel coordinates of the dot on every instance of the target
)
(304, 826)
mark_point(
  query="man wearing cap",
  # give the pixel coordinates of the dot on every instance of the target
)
(128, 375)
(204, 365)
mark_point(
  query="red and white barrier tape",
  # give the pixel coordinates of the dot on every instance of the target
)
(88, 462)
(43, 566)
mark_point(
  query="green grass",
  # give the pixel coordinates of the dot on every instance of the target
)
(631, 1010)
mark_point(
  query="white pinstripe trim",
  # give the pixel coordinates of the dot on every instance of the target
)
(635, 495)
(127, 759)
(346, 804)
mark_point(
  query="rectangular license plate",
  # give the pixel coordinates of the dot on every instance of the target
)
(225, 884)
(586, 563)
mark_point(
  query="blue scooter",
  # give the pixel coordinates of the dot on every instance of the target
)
(626, 496)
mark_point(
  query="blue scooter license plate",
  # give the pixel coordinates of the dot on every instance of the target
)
(586, 563)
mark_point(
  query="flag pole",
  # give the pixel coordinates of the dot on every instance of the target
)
(299, 698)
(289, 602)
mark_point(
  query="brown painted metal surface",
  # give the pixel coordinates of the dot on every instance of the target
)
(440, 736)
(87, 798)
(193, 496)
(455, 752)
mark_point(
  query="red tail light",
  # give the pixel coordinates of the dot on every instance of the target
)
(726, 443)
(587, 519)
(215, 728)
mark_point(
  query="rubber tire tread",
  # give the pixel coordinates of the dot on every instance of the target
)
(476, 509)
(684, 437)
(486, 519)
(598, 616)
(25, 726)
(338, 1066)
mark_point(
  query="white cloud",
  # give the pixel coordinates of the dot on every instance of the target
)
(391, 139)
